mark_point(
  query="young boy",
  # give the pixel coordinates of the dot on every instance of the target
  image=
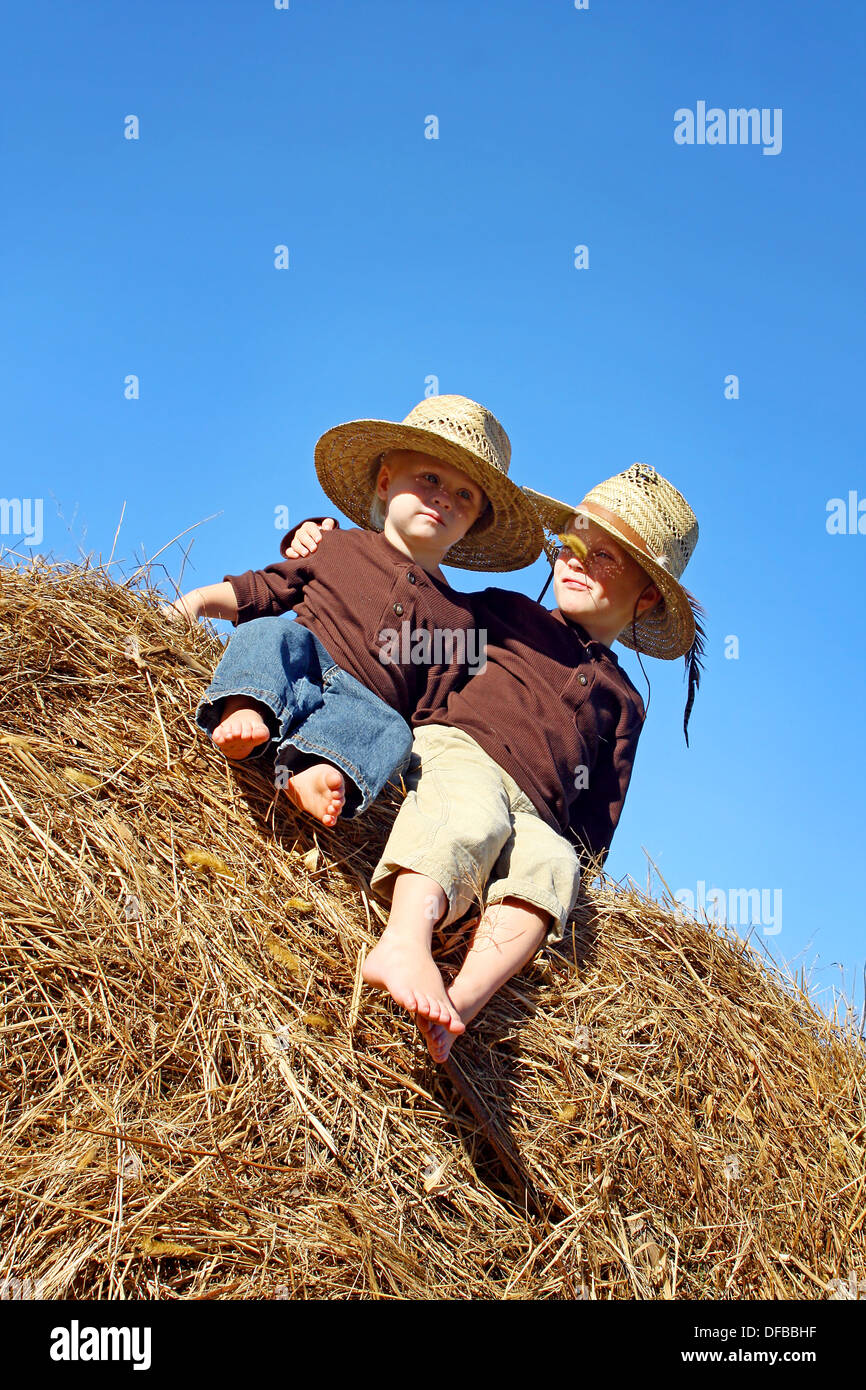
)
(541, 745)
(331, 693)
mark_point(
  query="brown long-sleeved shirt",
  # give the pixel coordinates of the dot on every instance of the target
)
(556, 711)
(406, 636)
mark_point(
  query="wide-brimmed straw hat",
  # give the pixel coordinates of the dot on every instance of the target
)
(508, 534)
(654, 523)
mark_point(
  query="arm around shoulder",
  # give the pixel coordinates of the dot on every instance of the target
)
(304, 538)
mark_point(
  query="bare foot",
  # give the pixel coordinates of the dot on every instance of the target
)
(241, 729)
(439, 1041)
(319, 790)
(405, 968)
(503, 941)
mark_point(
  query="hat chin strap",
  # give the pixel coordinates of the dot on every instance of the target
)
(546, 586)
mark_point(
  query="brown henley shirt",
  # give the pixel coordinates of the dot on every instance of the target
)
(555, 710)
(356, 587)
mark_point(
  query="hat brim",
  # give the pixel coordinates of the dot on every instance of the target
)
(508, 537)
(666, 631)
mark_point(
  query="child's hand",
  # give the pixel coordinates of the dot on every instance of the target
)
(306, 539)
(187, 608)
(211, 601)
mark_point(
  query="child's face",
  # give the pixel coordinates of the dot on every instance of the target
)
(428, 502)
(600, 591)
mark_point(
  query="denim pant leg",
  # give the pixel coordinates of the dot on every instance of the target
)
(319, 710)
(275, 661)
(357, 731)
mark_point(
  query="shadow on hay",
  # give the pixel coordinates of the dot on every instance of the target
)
(485, 1057)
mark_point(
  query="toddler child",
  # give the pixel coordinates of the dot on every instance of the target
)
(379, 633)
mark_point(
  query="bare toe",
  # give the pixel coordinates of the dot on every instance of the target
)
(432, 1009)
(439, 1042)
(406, 969)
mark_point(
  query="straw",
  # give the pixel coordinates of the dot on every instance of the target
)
(200, 1101)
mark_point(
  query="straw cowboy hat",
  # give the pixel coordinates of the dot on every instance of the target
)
(508, 534)
(654, 523)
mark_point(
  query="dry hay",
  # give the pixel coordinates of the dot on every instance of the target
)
(199, 1102)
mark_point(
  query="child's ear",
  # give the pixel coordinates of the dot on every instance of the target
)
(382, 481)
(650, 598)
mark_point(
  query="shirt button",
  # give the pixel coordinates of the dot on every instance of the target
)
(398, 609)
(582, 679)
(410, 576)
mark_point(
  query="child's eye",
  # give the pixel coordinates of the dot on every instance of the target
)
(432, 478)
(465, 494)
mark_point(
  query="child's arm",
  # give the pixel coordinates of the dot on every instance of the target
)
(257, 593)
(210, 601)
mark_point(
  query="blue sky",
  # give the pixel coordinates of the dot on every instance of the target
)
(454, 257)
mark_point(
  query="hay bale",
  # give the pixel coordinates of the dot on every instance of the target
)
(199, 1102)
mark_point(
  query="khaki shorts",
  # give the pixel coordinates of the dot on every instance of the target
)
(466, 824)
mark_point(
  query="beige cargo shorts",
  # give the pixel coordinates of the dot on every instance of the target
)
(466, 824)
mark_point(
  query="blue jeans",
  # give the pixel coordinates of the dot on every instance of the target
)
(320, 712)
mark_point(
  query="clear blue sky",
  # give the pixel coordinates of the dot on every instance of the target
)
(453, 257)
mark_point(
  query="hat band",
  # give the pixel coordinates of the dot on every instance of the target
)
(628, 532)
